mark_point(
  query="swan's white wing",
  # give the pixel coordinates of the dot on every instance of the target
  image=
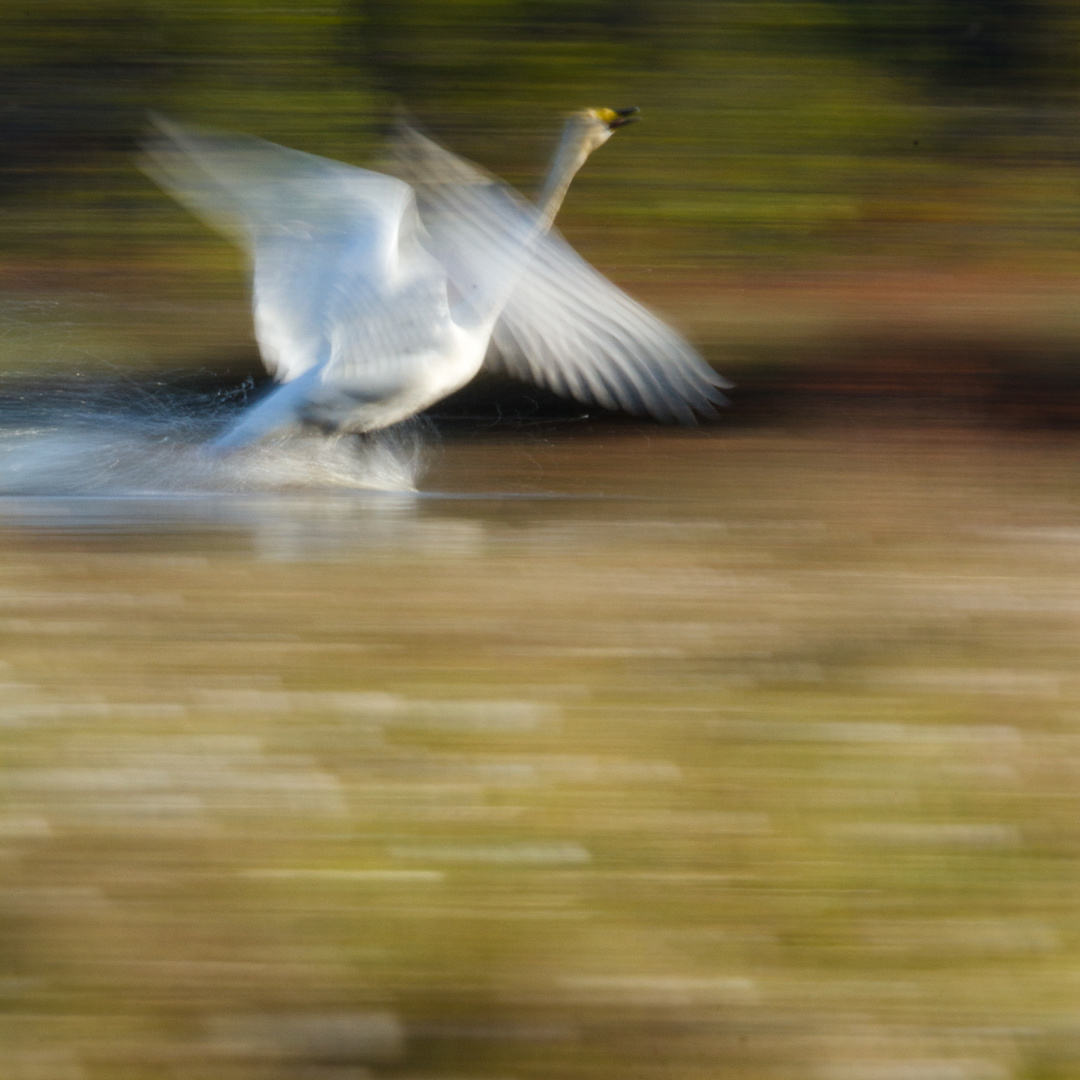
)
(568, 328)
(564, 325)
(326, 240)
(479, 230)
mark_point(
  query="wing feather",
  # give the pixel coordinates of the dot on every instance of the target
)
(324, 238)
(564, 325)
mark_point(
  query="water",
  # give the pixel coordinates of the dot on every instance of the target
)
(127, 439)
(615, 749)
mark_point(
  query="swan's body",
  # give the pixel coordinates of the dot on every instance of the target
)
(374, 298)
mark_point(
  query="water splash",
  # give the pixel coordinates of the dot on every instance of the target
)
(128, 439)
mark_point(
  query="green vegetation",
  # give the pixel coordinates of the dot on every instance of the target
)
(779, 132)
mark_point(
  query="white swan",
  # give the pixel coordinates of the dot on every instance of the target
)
(368, 311)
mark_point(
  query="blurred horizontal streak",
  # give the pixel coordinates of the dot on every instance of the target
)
(678, 823)
(478, 715)
(660, 990)
(66, 902)
(327, 1037)
(999, 681)
(510, 1031)
(986, 937)
(654, 877)
(922, 834)
(916, 1069)
(778, 731)
(345, 877)
(543, 854)
(421, 914)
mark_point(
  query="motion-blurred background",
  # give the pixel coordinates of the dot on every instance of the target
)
(886, 185)
(751, 752)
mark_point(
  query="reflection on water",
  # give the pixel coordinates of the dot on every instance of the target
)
(277, 527)
(755, 758)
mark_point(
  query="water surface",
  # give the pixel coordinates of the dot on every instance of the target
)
(614, 750)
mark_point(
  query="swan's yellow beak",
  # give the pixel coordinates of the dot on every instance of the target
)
(617, 117)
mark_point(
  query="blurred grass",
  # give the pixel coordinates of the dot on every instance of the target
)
(764, 768)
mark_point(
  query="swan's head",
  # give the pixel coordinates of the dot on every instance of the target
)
(596, 126)
(583, 133)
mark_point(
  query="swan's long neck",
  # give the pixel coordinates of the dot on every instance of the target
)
(508, 258)
(572, 152)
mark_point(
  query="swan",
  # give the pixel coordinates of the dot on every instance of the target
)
(375, 296)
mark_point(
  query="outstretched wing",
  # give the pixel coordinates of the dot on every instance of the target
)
(480, 231)
(568, 328)
(321, 235)
(564, 326)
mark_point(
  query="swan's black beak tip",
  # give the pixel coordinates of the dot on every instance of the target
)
(629, 115)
